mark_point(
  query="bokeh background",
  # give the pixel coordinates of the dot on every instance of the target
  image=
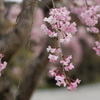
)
(87, 63)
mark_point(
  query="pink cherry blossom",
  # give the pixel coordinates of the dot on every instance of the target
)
(62, 29)
(60, 80)
(66, 39)
(97, 48)
(71, 28)
(13, 13)
(52, 58)
(69, 67)
(78, 81)
(73, 85)
(93, 29)
(48, 32)
(50, 20)
(59, 20)
(68, 58)
(90, 18)
(53, 50)
(66, 63)
(52, 72)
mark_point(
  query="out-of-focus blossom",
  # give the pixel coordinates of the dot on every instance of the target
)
(37, 35)
(73, 85)
(53, 50)
(2, 65)
(13, 13)
(97, 48)
(90, 18)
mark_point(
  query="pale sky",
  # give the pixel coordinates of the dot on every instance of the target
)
(14, 0)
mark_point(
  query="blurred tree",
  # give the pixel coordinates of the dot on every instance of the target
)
(11, 43)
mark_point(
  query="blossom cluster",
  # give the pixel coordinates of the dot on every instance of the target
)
(2, 65)
(60, 24)
(66, 64)
(90, 17)
(59, 21)
(62, 79)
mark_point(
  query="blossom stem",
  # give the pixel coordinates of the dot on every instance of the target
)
(99, 36)
(24, 62)
(53, 3)
(86, 3)
(61, 54)
(43, 4)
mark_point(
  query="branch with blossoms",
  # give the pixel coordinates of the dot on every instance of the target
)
(62, 30)
(91, 17)
(88, 13)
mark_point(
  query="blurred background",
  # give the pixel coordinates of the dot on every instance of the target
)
(87, 63)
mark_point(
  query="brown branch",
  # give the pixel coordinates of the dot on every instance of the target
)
(1, 16)
(33, 74)
(11, 43)
(1, 11)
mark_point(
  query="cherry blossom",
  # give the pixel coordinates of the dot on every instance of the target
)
(66, 39)
(60, 25)
(48, 32)
(53, 50)
(90, 18)
(59, 20)
(52, 72)
(52, 58)
(2, 65)
(13, 13)
(60, 80)
(97, 48)
(93, 29)
(69, 67)
(73, 85)
(66, 63)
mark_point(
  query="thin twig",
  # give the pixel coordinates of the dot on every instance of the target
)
(53, 4)
(98, 36)
(44, 4)
(29, 5)
(86, 3)
(23, 10)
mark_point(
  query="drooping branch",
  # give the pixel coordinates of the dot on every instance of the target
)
(11, 43)
(1, 16)
(1, 11)
(33, 73)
